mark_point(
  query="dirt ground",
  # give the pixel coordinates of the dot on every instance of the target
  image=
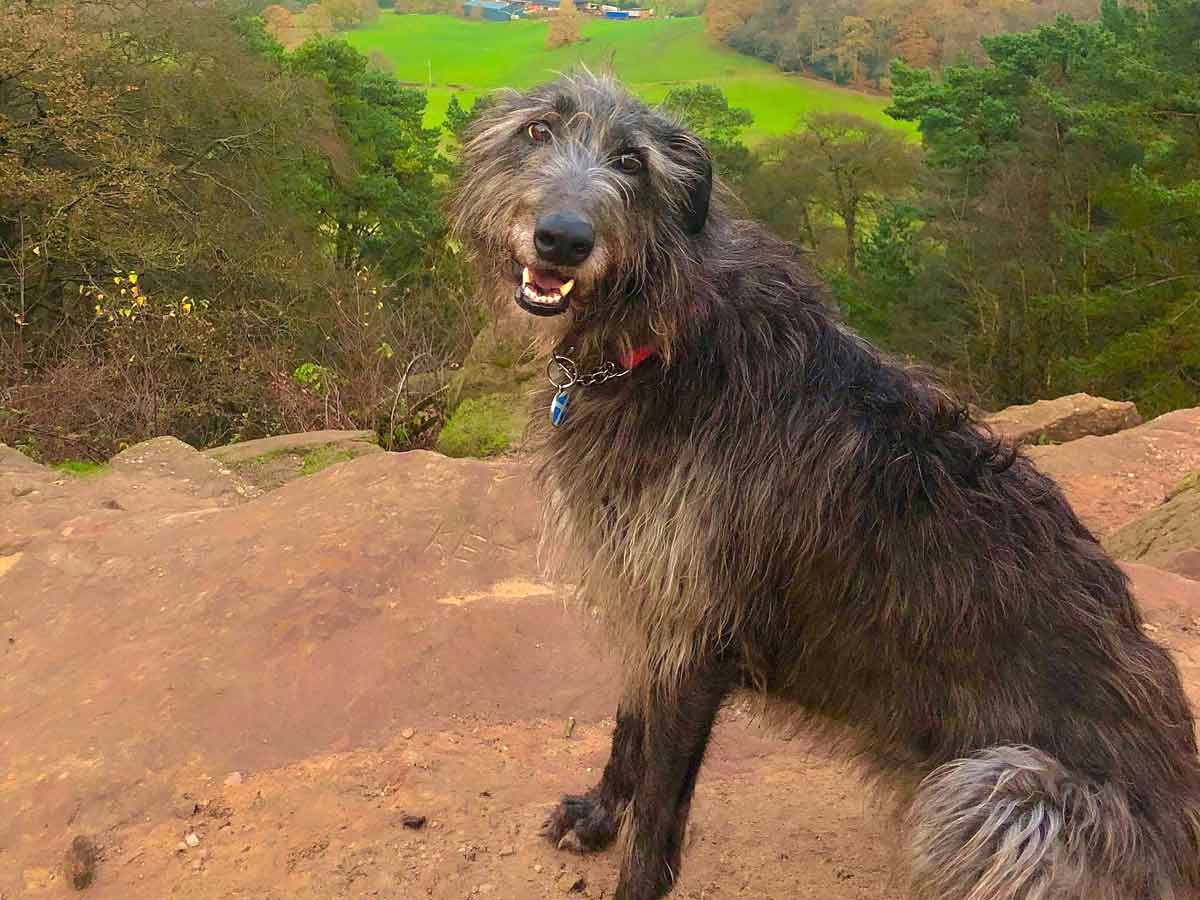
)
(237, 695)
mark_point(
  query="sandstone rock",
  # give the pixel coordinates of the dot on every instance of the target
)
(1186, 564)
(1165, 536)
(13, 461)
(505, 363)
(571, 883)
(509, 353)
(170, 458)
(20, 476)
(391, 592)
(1164, 598)
(1064, 419)
(1112, 480)
(359, 443)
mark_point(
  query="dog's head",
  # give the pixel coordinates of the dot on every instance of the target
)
(575, 195)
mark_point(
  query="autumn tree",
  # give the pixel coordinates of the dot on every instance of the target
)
(856, 40)
(279, 23)
(175, 239)
(122, 172)
(315, 21)
(369, 14)
(344, 14)
(564, 26)
(723, 17)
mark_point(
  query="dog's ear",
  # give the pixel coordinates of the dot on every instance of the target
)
(693, 155)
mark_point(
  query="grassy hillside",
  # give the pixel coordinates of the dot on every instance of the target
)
(469, 57)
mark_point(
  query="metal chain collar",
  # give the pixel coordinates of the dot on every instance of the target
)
(563, 372)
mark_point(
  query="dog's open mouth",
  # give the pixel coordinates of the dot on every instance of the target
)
(544, 292)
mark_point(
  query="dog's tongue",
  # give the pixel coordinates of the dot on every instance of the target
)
(547, 281)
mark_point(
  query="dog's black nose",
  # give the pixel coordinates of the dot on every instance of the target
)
(564, 238)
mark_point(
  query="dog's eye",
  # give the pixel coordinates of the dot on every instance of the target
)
(629, 163)
(539, 132)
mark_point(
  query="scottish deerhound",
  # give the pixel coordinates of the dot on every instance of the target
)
(756, 498)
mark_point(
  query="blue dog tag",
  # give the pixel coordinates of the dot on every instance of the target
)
(558, 409)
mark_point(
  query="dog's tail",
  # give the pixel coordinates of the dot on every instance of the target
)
(1012, 823)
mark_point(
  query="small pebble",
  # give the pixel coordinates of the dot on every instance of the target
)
(185, 806)
(571, 883)
(414, 822)
(192, 839)
(407, 734)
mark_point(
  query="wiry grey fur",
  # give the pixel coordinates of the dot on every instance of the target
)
(772, 503)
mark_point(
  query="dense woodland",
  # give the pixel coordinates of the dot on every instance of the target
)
(1045, 238)
(202, 235)
(855, 41)
(206, 234)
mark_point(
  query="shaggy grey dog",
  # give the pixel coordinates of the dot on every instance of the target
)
(756, 498)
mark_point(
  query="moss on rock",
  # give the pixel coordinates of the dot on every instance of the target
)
(483, 426)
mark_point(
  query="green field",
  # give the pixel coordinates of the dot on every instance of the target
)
(467, 57)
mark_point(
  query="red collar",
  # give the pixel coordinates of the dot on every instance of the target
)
(636, 356)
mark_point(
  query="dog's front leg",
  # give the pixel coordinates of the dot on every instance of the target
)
(677, 724)
(590, 821)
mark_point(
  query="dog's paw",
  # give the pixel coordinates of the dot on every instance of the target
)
(580, 824)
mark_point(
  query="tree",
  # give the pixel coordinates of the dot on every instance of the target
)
(381, 205)
(380, 61)
(564, 26)
(315, 21)
(723, 17)
(456, 117)
(344, 14)
(369, 14)
(131, 188)
(1063, 200)
(706, 111)
(278, 21)
(857, 165)
(94, 173)
(856, 40)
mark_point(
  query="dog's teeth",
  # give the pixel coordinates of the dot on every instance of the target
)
(526, 276)
(532, 294)
(566, 287)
